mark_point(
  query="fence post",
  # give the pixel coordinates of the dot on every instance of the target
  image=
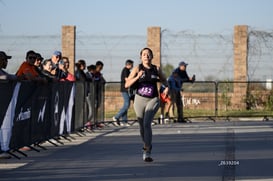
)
(68, 45)
(240, 64)
(154, 42)
(216, 98)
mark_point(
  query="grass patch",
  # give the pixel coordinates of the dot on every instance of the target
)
(200, 113)
(246, 113)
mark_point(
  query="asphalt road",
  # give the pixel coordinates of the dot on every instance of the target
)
(198, 151)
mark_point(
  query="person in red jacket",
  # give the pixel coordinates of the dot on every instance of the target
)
(27, 70)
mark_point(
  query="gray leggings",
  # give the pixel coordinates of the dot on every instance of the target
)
(145, 109)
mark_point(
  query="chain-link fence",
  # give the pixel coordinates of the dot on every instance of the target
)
(210, 56)
(260, 55)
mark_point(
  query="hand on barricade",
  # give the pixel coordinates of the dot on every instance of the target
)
(193, 79)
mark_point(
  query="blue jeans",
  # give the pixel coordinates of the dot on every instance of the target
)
(124, 110)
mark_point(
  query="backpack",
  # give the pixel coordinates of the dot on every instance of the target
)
(132, 90)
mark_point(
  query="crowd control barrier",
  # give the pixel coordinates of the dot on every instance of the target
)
(34, 112)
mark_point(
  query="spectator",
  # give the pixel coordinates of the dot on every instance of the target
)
(98, 75)
(58, 69)
(99, 79)
(70, 77)
(165, 103)
(175, 86)
(80, 74)
(90, 74)
(126, 98)
(27, 70)
(4, 75)
(38, 63)
(99, 82)
(46, 70)
(3, 65)
(182, 72)
(179, 76)
(39, 60)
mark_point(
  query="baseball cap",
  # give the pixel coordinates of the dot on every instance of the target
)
(57, 53)
(182, 63)
(3, 55)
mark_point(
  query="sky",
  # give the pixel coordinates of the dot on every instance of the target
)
(115, 17)
(126, 18)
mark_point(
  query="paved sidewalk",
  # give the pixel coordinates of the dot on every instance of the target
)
(195, 151)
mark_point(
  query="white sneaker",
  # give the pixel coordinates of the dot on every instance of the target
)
(5, 155)
(127, 124)
(121, 124)
(115, 121)
(147, 156)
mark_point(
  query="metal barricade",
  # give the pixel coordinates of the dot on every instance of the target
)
(199, 99)
(113, 101)
(245, 99)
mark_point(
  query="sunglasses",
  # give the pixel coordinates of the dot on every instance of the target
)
(32, 57)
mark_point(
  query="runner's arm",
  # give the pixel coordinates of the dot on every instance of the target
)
(133, 77)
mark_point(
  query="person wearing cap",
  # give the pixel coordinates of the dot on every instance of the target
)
(58, 69)
(175, 86)
(3, 65)
(176, 80)
(6, 76)
(181, 70)
(125, 94)
(56, 57)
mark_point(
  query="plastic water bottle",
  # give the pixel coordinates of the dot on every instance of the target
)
(162, 119)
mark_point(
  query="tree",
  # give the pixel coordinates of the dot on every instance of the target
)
(168, 69)
(210, 78)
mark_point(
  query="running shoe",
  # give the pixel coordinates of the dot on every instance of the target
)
(147, 156)
(116, 121)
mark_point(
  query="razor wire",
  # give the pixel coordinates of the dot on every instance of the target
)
(210, 56)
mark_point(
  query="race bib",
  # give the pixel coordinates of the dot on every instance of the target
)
(146, 90)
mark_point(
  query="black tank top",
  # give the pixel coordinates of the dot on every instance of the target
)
(147, 83)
